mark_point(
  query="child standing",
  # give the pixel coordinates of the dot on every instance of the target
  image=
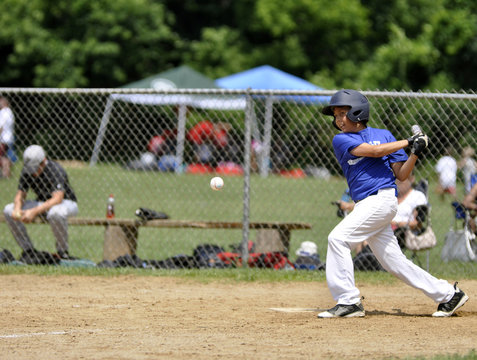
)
(371, 160)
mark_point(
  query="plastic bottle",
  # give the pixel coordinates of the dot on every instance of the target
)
(110, 207)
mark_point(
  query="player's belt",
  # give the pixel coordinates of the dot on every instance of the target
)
(377, 192)
(373, 193)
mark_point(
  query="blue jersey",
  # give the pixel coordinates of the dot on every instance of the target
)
(366, 175)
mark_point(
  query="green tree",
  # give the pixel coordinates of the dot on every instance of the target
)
(305, 36)
(219, 52)
(416, 45)
(79, 43)
(365, 44)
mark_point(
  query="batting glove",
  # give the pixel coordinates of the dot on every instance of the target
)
(419, 145)
(413, 138)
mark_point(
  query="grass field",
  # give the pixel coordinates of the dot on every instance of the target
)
(188, 197)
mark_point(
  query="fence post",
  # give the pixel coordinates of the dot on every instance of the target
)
(267, 137)
(181, 125)
(246, 182)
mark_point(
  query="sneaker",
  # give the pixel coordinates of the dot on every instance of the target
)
(356, 310)
(449, 308)
(64, 255)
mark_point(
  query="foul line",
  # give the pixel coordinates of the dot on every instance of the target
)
(16, 336)
(294, 310)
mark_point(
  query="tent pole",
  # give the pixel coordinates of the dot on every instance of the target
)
(181, 123)
(101, 132)
(267, 137)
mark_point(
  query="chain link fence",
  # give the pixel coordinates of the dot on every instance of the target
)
(159, 149)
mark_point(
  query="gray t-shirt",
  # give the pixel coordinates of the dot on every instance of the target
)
(53, 178)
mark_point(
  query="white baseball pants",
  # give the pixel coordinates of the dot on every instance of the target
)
(371, 220)
(57, 217)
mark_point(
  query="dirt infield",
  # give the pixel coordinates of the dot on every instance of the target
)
(129, 317)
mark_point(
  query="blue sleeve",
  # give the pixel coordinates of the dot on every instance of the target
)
(343, 143)
(397, 156)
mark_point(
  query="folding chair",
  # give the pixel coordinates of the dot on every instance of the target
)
(423, 218)
(459, 242)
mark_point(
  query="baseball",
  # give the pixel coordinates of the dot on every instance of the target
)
(216, 183)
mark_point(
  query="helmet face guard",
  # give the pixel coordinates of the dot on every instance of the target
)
(358, 102)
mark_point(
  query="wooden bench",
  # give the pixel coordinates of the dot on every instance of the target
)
(121, 235)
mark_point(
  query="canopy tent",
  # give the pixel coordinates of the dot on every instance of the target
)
(182, 77)
(269, 78)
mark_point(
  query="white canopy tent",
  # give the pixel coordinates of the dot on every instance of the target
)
(183, 101)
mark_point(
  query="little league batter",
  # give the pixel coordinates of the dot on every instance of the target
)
(371, 160)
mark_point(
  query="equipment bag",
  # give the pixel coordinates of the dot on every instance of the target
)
(459, 246)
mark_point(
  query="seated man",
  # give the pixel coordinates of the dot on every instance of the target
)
(470, 203)
(55, 200)
(408, 200)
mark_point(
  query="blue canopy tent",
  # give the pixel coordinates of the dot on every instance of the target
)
(269, 78)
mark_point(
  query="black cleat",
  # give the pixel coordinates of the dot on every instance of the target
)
(356, 310)
(449, 308)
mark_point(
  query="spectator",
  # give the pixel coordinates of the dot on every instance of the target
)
(470, 203)
(164, 149)
(6, 135)
(468, 165)
(446, 169)
(55, 201)
(408, 199)
(209, 140)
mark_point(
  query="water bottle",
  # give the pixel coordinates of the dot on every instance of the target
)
(110, 207)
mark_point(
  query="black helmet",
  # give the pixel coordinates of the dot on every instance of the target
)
(359, 105)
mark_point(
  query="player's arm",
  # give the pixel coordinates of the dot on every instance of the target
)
(380, 150)
(56, 198)
(402, 170)
(418, 143)
(346, 206)
(469, 199)
(20, 197)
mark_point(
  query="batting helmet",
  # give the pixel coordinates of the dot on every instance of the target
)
(358, 102)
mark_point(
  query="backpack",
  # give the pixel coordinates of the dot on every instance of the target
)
(175, 262)
(206, 256)
(36, 257)
(366, 261)
(6, 256)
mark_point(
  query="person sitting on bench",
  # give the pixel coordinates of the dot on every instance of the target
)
(56, 201)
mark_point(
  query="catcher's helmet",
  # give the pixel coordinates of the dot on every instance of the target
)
(359, 105)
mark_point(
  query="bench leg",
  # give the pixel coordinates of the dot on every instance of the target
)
(285, 235)
(119, 241)
(273, 240)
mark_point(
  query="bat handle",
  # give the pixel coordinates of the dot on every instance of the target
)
(416, 129)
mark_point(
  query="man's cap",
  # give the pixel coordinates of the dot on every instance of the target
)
(32, 158)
